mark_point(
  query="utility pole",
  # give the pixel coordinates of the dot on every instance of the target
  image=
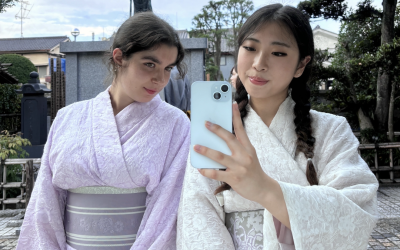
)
(23, 13)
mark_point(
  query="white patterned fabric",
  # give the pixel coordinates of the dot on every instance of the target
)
(144, 145)
(338, 214)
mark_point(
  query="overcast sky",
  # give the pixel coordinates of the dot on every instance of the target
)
(59, 18)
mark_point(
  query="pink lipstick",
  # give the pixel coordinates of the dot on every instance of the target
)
(257, 80)
(151, 92)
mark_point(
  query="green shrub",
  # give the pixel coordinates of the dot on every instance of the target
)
(21, 66)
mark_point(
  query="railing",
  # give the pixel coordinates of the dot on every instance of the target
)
(26, 184)
(392, 169)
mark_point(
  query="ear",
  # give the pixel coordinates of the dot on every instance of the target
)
(117, 56)
(302, 65)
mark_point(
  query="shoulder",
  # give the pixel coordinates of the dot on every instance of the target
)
(74, 109)
(325, 126)
(169, 113)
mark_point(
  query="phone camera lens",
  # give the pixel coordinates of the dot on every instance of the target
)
(224, 88)
(217, 96)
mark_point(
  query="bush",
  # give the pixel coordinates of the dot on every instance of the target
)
(21, 66)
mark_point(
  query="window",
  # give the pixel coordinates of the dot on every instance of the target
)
(42, 70)
(223, 61)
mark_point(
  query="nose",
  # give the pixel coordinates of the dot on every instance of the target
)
(260, 62)
(159, 77)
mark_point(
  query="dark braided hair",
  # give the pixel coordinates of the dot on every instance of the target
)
(295, 22)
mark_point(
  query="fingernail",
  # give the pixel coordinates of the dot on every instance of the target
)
(234, 102)
(208, 124)
(236, 106)
(197, 148)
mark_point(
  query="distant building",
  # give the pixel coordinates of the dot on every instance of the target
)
(36, 49)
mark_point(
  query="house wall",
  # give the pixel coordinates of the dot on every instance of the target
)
(324, 41)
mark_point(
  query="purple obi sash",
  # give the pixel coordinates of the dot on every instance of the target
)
(103, 217)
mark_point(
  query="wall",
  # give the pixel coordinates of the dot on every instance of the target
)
(86, 69)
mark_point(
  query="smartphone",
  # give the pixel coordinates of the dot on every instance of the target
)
(210, 101)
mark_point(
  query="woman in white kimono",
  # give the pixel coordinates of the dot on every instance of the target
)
(297, 179)
(112, 168)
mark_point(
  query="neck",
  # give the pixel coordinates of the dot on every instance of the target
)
(266, 109)
(119, 100)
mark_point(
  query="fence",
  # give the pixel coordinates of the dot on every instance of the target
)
(27, 181)
(57, 87)
(392, 169)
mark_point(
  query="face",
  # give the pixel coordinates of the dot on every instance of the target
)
(145, 74)
(233, 78)
(267, 62)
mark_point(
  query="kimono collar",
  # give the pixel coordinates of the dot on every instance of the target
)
(282, 125)
(106, 137)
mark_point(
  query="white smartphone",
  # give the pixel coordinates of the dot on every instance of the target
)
(210, 101)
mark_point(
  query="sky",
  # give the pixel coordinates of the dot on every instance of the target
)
(103, 17)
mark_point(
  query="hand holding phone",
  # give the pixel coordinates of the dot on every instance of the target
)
(210, 101)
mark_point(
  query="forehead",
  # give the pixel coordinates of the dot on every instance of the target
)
(274, 32)
(164, 53)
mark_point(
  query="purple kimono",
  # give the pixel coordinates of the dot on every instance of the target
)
(144, 146)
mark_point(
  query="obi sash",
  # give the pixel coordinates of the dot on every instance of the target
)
(103, 217)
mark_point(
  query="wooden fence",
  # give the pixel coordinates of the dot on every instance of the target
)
(57, 87)
(26, 185)
(394, 167)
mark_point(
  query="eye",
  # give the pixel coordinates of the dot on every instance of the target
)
(249, 48)
(150, 65)
(279, 54)
(168, 69)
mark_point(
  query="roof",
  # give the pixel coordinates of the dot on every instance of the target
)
(319, 29)
(6, 77)
(31, 43)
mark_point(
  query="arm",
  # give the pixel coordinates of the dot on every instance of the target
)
(43, 226)
(158, 228)
(201, 220)
(340, 213)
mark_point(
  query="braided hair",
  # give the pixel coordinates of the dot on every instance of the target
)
(298, 24)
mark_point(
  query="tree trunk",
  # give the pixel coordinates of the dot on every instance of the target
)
(365, 123)
(391, 110)
(383, 87)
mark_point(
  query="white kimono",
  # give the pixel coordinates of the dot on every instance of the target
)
(339, 213)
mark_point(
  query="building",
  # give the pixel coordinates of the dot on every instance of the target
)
(36, 49)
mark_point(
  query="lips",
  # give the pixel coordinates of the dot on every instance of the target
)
(258, 80)
(150, 91)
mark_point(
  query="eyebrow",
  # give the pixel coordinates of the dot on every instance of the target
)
(273, 43)
(152, 58)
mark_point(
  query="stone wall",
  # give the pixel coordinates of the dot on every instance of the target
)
(86, 69)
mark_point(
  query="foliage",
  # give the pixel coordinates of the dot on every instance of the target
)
(21, 66)
(10, 103)
(237, 13)
(335, 9)
(220, 20)
(11, 147)
(6, 4)
(355, 65)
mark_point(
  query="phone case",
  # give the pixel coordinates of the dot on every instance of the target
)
(205, 107)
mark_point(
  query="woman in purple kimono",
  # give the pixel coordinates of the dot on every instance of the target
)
(113, 166)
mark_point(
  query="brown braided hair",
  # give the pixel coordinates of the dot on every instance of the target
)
(298, 24)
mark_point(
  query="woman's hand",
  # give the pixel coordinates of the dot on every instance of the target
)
(243, 170)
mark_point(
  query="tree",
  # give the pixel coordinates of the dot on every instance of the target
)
(358, 70)
(21, 66)
(6, 4)
(210, 24)
(237, 13)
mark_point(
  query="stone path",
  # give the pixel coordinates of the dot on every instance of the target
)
(385, 236)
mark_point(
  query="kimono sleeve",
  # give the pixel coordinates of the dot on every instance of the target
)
(201, 219)
(340, 212)
(158, 228)
(43, 226)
